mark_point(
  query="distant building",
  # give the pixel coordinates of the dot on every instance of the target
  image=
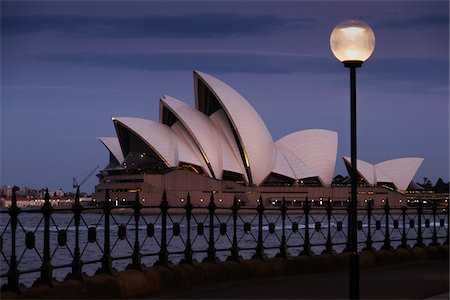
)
(6, 191)
(223, 147)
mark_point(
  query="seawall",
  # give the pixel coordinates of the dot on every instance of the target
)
(153, 280)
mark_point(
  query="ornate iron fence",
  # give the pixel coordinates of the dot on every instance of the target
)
(187, 233)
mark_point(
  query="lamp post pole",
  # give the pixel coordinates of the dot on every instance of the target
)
(352, 42)
(354, 256)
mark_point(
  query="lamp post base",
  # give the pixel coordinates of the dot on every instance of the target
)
(354, 275)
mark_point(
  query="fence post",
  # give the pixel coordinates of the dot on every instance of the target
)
(329, 243)
(348, 245)
(77, 264)
(434, 239)
(136, 256)
(387, 239)
(260, 245)
(448, 231)
(234, 246)
(163, 252)
(188, 251)
(283, 247)
(306, 242)
(211, 248)
(419, 225)
(46, 268)
(106, 259)
(13, 272)
(404, 239)
(369, 227)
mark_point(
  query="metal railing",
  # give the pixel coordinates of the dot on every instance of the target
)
(189, 233)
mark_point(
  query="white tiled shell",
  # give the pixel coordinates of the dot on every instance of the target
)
(299, 168)
(380, 176)
(200, 128)
(188, 151)
(400, 170)
(282, 166)
(113, 145)
(230, 151)
(365, 169)
(157, 136)
(317, 148)
(255, 138)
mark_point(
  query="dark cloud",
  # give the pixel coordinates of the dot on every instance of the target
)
(213, 61)
(414, 23)
(420, 75)
(213, 25)
(409, 75)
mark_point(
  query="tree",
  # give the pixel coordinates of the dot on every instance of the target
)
(441, 186)
(427, 184)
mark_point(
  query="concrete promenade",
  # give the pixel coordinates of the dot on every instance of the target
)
(414, 280)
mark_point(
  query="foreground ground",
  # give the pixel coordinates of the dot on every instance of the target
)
(418, 280)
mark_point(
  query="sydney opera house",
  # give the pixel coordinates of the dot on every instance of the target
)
(222, 146)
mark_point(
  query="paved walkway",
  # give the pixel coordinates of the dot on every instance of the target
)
(407, 281)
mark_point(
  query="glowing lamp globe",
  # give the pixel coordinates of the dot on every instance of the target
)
(352, 41)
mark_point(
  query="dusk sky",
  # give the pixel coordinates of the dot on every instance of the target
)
(68, 67)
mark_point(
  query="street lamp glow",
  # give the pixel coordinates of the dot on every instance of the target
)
(352, 40)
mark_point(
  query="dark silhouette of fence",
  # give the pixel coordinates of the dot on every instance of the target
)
(312, 226)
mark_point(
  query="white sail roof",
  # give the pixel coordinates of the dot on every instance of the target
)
(230, 150)
(157, 136)
(298, 166)
(282, 166)
(398, 171)
(257, 145)
(225, 133)
(200, 128)
(187, 150)
(401, 170)
(113, 145)
(365, 170)
(317, 148)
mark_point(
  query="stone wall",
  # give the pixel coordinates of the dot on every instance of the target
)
(154, 280)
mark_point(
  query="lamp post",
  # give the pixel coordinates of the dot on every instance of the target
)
(352, 42)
